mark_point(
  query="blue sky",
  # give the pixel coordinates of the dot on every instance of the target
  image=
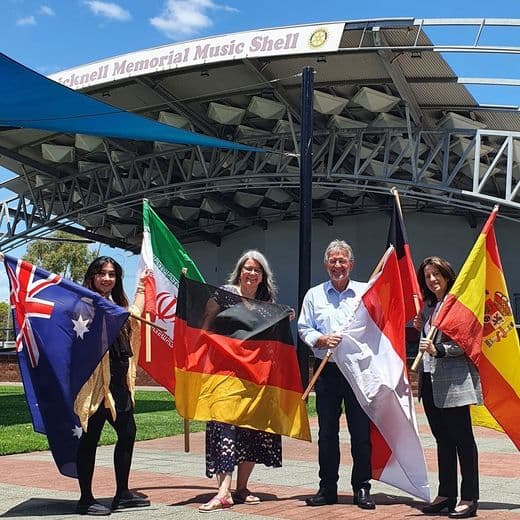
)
(52, 35)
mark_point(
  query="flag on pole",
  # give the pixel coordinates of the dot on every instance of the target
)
(62, 332)
(372, 358)
(477, 315)
(164, 256)
(235, 362)
(398, 238)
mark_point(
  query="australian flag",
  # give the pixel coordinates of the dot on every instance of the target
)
(62, 332)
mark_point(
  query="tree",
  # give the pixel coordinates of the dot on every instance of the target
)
(62, 254)
(6, 322)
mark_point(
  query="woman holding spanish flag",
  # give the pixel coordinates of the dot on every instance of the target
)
(448, 383)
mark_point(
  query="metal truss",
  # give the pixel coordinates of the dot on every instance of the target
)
(352, 172)
(208, 194)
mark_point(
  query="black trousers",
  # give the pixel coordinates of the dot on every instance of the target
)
(453, 433)
(125, 428)
(333, 391)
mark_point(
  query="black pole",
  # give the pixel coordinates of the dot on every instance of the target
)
(304, 266)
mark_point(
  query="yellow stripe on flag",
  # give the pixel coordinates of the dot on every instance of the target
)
(469, 287)
(480, 416)
(228, 399)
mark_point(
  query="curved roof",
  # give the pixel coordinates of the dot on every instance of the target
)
(388, 110)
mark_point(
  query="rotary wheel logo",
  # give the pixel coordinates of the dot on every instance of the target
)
(166, 306)
(318, 38)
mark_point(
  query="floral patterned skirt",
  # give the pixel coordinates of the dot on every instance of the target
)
(228, 445)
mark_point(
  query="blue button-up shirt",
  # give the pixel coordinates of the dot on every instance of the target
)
(325, 310)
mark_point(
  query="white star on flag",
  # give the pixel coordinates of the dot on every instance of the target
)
(77, 431)
(80, 326)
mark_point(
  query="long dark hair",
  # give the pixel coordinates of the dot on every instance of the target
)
(444, 267)
(118, 293)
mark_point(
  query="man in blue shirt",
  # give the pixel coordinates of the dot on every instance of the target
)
(328, 309)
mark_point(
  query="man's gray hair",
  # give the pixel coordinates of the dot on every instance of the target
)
(338, 245)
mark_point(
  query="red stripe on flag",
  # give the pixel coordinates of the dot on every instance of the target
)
(385, 305)
(492, 249)
(380, 454)
(461, 325)
(263, 362)
(500, 399)
(150, 296)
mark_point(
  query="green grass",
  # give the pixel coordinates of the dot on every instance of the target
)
(155, 416)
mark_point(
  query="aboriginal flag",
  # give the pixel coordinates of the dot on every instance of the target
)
(397, 237)
(235, 362)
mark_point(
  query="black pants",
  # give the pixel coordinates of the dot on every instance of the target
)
(124, 425)
(453, 432)
(333, 390)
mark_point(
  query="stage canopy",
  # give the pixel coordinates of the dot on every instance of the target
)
(30, 100)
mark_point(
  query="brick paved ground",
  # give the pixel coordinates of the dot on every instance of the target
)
(30, 486)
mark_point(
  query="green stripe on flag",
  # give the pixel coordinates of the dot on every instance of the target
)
(169, 255)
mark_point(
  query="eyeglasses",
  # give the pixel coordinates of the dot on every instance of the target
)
(251, 270)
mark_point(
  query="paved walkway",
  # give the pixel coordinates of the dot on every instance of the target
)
(30, 486)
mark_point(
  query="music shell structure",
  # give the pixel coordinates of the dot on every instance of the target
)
(388, 110)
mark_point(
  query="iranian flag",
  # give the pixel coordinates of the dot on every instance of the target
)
(163, 255)
(372, 358)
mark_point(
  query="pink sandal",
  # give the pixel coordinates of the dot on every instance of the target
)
(244, 496)
(215, 504)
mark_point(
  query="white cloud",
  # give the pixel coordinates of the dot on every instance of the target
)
(27, 20)
(186, 17)
(45, 9)
(108, 10)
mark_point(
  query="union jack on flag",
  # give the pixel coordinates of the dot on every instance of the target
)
(66, 329)
(24, 288)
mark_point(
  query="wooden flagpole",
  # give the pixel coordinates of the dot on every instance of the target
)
(417, 360)
(184, 270)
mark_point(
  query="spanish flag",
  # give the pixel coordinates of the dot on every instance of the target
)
(477, 316)
(235, 362)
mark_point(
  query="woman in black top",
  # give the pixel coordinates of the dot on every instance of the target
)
(113, 400)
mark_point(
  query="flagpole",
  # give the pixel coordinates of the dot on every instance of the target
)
(417, 360)
(184, 270)
(316, 374)
(148, 322)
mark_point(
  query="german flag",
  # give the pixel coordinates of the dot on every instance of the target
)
(477, 315)
(235, 362)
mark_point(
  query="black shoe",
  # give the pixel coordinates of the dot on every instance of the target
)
(433, 509)
(469, 511)
(92, 508)
(129, 499)
(321, 498)
(363, 499)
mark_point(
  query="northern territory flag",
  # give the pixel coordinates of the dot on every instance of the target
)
(477, 315)
(398, 238)
(372, 358)
(235, 362)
